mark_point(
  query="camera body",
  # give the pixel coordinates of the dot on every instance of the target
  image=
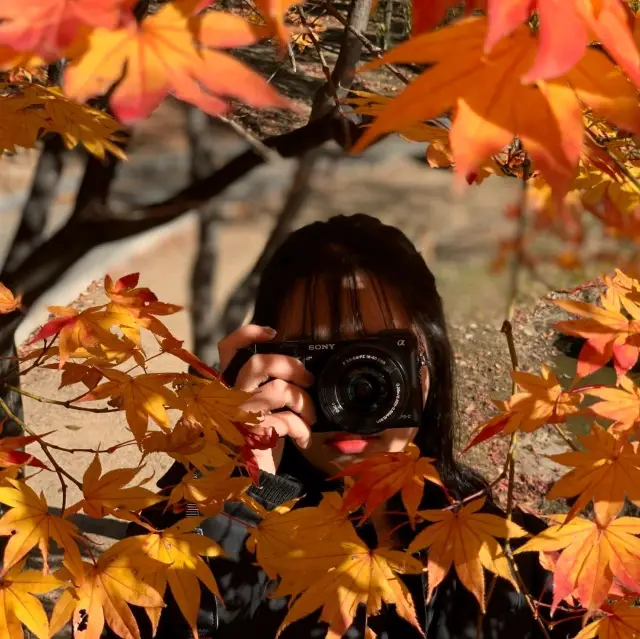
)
(362, 386)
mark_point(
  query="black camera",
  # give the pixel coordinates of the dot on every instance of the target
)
(361, 386)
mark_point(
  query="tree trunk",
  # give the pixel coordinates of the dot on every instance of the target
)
(388, 17)
(203, 273)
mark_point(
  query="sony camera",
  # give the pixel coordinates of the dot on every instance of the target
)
(361, 386)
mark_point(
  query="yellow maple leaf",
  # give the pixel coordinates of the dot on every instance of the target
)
(620, 621)
(605, 471)
(28, 522)
(8, 301)
(189, 444)
(101, 593)
(621, 405)
(18, 604)
(104, 494)
(466, 539)
(339, 575)
(216, 407)
(142, 397)
(180, 551)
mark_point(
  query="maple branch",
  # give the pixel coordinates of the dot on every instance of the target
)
(602, 144)
(567, 441)
(105, 451)
(265, 152)
(64, 404)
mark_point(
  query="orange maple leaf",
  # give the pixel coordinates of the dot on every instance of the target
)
(18, 604)
(605, 471)
(609, 333)
(380, 476)
(104, 494)
(179, 550)
(542, 401)
(592, 555)
(142, 397)
(101, 593)
(483, 89)
(609, 20)
(74, 373)
(622, 405)
(466, 539)
(28, 522)
(8, 301)
(273, 12)
(160, 56)
(340, 574)
(620, 621)
(77, 330)
(48, 27)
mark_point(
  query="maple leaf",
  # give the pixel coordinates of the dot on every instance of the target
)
(609, 334)
(556, 53)
(484, 88)
(188, 443)
(105, 493)
(101, 593)
(142, 397)
(211, 490)
(605, 471)
(622, 405)
(79, 123)
(592, 555)
(140, 304)
(18, 604)
(379, 477)
(8, 301)
(465, 539)
(542, 401)
(216, 407)
(9, 456)
(174, 346)
(48, 27)
(77, 330)
(160, 56)
(73, 373)
(28, 522)
(180, 551)
(341, 574)
(273, 12)
(620, 621)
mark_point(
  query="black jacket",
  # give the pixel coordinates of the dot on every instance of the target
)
(248, 612)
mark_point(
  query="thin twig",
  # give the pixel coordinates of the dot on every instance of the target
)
(567, 441)
(264, 151)
(327, 74)
(602, 144)
(64, 404)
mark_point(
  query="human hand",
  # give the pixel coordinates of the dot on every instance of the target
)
(277, 382)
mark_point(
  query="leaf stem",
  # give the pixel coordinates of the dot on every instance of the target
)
(65, 404)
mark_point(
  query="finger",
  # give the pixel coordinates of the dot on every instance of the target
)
(288, 424)
(279, 394)
(260, 368)
(242, 338)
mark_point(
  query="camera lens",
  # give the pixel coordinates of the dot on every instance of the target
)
(362, 389)
(366, 389)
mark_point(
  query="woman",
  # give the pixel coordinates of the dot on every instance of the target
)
(342, 279)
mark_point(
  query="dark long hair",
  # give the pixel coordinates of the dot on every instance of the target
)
(329, 253)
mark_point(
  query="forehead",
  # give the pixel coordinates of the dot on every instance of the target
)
(345, 307)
